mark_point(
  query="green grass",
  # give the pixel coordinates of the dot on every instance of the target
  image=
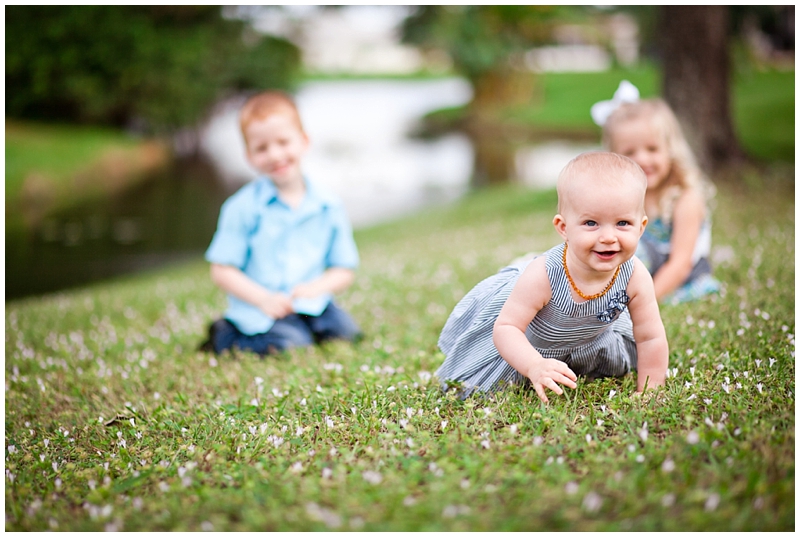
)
(762, 106)
(114, 422)
(57, 151)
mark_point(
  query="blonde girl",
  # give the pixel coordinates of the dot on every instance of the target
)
(676, 244)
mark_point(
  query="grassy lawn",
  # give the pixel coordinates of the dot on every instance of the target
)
(51, 167)
(58, 151)
(114, 422)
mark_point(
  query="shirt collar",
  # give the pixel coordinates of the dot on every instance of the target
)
(316, 198)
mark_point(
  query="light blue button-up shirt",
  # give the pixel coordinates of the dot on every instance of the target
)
(280, 247)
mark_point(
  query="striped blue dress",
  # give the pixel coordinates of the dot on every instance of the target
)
(595, 337)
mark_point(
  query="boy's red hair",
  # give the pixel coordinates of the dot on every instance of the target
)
(268, 103)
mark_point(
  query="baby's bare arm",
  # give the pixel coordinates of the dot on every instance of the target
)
(652, 347)
(530, 294)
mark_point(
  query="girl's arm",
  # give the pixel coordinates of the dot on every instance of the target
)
(652, 348)
(333, 280)
(530, 294)
(232, 280)
(687, 220)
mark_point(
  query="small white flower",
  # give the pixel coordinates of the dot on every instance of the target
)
(693, 437)
(758, 363)
(640, 458)
(693, 396)
(410, 442)
(668, 466)
(327, 473)
(485, 444)
(592, 502)
(772, 361)
(371, 477)
(409, 412)
(297, 467)
(760, 387)
(571, 488)
(444, 424)
(588, 439)
(513, 428)
(538, 440)
(612, 393)
(712, 502)
(668, 500)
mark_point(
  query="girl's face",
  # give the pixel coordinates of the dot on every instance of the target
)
(640, 141)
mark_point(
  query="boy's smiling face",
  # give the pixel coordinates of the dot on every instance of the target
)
(602, 224)
(275, 147)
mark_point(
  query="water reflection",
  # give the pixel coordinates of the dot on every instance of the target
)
(167, 219)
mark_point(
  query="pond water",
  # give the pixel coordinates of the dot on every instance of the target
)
(361, 148)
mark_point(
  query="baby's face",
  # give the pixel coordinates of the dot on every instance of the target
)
(602, 224)
(275, 146)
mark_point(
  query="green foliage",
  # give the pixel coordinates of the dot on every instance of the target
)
(114, 422)
(162, 65)
(480, 38)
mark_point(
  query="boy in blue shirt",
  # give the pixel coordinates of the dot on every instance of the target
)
(283, 247)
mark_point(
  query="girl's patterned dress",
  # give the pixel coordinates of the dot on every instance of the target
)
(654, 248)
(595, 338)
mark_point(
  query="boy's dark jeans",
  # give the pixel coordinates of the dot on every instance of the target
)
(295, 330)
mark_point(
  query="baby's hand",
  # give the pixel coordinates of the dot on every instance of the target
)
(549, 373)
(277, 306)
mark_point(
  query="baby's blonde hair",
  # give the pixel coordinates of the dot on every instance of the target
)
(684, 171)
(601, 168)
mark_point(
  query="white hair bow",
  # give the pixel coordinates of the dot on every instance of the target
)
(626, 93)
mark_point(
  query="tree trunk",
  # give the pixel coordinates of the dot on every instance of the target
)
(696, 66)
(493, 92)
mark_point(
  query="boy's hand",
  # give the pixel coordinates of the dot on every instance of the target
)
(306, 290)
(549, 373)
(277, 305)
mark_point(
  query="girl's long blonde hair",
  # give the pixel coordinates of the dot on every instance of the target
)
(684, 173)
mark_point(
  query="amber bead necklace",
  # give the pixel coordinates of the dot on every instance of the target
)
(575, 287)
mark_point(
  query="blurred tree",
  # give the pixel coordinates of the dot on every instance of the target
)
(487, 45)
(695, 54)
(153, 67)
